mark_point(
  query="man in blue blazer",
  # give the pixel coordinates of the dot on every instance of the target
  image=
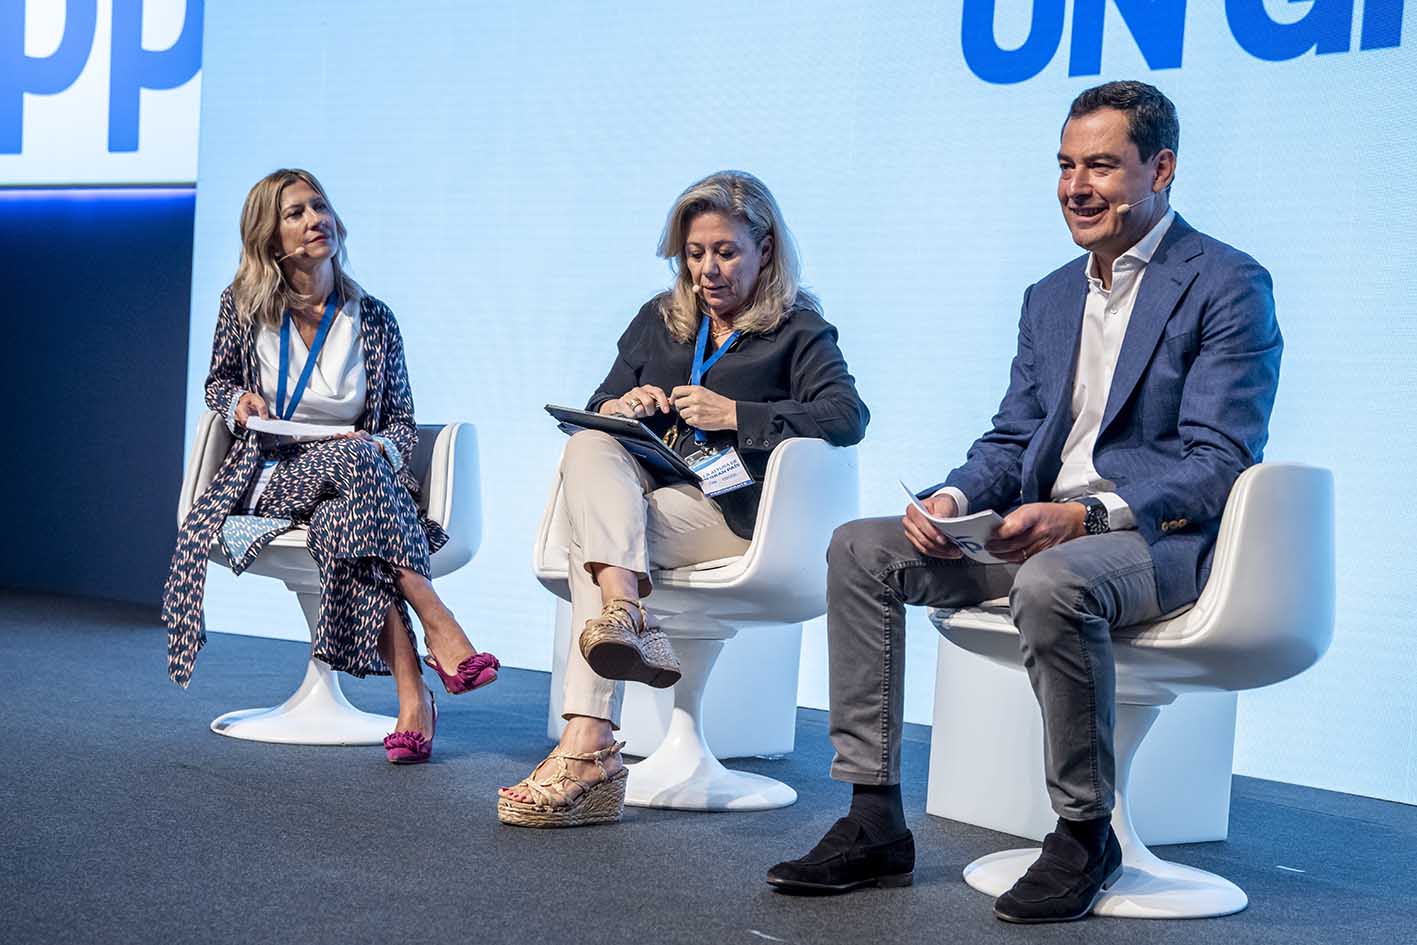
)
(1142, 387)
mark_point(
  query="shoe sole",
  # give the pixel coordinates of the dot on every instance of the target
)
(893, 881)
(621, 661)
(604, 803)
(1107, 884)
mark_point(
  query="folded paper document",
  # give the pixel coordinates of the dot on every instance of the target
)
(295, 428)
(968, 532)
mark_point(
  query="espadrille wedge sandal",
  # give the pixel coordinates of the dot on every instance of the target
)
(600, 802)
(617, 646)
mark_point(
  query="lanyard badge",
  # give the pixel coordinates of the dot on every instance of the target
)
(719, 471)
(284, 411)
(700, 366)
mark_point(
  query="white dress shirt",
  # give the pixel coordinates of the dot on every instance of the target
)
(1105, 317)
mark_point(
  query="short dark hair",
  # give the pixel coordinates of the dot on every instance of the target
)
(1151, 118)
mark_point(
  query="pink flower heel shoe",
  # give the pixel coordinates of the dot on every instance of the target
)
(411, 748)
(478, 670)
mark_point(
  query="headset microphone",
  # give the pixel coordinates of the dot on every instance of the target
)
(697, 289)
(1126, 208)
(299, 251)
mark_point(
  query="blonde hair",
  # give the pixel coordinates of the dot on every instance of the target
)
(744, 198)
(261, 291)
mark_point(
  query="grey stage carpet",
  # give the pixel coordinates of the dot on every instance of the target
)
(123, 819)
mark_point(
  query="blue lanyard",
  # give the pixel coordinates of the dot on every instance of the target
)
(700, 366)
(282, 411)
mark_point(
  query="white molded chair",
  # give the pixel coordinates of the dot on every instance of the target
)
(810, 488)
(1265, 615)
(445, 463)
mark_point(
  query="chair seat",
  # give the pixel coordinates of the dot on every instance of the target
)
(1264, 615)
(988, 630)
(287, 558)
(730, 566)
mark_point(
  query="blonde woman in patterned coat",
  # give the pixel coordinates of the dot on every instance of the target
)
(353, 492)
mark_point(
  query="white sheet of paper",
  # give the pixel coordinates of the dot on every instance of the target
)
(295, 428)
(969, 532)
(721, 472)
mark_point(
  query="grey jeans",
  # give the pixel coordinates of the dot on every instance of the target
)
(1065, 601)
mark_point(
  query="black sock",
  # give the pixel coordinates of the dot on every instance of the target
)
(877, 808)
(1092, 834)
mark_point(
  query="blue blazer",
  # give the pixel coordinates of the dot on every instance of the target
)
(1188, 410)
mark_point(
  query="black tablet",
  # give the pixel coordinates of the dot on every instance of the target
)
(637, 438)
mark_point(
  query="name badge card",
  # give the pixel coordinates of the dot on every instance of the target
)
(720, 472)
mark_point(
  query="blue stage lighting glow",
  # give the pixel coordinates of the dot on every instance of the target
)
(31, 194)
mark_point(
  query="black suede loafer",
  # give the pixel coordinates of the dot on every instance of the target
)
(1064, 883)
(843, 861)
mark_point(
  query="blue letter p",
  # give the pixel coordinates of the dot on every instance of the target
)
(38, 76)
(136, 68)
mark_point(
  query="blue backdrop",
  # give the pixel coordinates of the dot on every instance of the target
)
(505, 170)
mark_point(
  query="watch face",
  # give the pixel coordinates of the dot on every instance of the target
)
(1096, 521)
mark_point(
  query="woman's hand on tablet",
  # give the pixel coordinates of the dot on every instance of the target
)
(640, 402)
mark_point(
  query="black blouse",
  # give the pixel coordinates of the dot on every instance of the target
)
(790, 382)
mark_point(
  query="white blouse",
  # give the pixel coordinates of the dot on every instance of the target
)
(338, 384)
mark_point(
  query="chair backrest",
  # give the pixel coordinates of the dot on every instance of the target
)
(210, 443)
(810, 487)
(446, 464)
(1267, 612)
(550, 558)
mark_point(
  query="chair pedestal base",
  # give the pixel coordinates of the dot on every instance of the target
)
(682, 773)
(316, 714)
(1150, 887)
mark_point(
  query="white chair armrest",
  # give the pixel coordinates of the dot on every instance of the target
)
(549, 554)
(810, 487)
(210, 443)
(445, 463)
(1272, 582)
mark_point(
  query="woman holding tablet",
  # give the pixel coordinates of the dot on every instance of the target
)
(298, 339)
(731, 360)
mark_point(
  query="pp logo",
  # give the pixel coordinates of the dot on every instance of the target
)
(131, 67)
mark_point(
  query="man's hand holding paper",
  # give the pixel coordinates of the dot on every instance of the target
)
(949, 535)
(927, 539)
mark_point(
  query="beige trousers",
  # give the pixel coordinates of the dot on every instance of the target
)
(617, 517)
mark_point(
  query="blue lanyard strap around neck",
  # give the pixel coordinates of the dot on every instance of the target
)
(700, 366)
(282, 411)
